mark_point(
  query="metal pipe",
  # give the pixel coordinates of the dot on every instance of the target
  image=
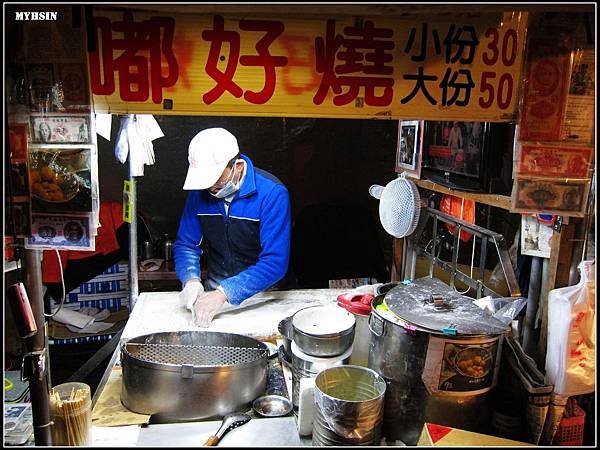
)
(133, 256)
(545, 275)
(533, 298)
(35, 361)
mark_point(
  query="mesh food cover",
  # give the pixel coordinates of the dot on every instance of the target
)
(399, 206)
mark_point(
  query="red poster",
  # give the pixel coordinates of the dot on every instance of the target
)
(73, 78)
(546, 88)
(17, 138)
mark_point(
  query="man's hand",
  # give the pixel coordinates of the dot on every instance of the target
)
(191, 291)
(206, 306)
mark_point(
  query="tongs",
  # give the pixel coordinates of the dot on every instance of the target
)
(230, 421)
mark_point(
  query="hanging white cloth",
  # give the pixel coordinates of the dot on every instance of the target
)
(134, 139)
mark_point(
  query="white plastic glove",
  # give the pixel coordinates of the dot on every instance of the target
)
(192, 289)
(206, 307)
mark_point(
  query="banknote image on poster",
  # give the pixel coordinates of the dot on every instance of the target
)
(546, 88)
(554, 161)
(60, 231)
(549, 196)
(60, 129)
(61, 180)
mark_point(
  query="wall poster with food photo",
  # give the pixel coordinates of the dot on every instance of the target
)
(62, 179)
(456, 367)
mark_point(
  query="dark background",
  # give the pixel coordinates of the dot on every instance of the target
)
(321, 161)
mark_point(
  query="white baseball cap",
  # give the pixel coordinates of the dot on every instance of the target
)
(208, 155)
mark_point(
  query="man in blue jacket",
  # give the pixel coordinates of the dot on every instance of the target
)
(241, 214)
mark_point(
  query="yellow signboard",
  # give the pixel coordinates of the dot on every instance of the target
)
(450, 67)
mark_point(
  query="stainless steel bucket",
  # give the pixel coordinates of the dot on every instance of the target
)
(407, 355)
(349, 403)
(192, 375)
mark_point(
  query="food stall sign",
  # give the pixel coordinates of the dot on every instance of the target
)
(450, 67)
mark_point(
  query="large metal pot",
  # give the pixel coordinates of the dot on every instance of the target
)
(192, 375)
(419, 358)
(323, 331)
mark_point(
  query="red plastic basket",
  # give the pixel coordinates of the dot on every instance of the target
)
(570, 429)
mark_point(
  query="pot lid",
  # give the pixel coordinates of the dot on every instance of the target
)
(432, 304)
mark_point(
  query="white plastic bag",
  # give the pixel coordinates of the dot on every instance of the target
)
(570, 356)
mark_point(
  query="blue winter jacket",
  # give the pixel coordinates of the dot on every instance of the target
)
(248, 248)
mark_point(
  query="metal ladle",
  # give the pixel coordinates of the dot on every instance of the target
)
(230, 421)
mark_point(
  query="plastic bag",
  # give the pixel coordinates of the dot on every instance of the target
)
(505, 309)
(570, 355)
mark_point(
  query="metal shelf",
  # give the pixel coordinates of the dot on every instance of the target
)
(499, 201)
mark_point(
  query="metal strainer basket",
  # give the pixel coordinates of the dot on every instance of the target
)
(192, 375)
(399, 206)
(195, 355)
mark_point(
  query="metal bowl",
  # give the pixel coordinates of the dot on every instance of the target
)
(272, 406)
(323, 331)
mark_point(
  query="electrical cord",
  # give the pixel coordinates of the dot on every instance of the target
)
(62, 280)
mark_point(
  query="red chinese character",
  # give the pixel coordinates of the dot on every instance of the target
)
(217, 36)
(355, 59)
(131, 64)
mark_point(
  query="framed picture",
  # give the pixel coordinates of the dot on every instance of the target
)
(17, 138)
(536, 238)
(59, 129)
(408, 149)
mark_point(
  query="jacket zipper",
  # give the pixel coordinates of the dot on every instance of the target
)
(227, 234)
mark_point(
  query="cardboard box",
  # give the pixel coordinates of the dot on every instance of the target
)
(442, 436)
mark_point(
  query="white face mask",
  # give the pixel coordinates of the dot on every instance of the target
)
(230, 187)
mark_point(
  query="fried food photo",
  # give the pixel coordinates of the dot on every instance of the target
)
(49, 181)
(473, 362)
